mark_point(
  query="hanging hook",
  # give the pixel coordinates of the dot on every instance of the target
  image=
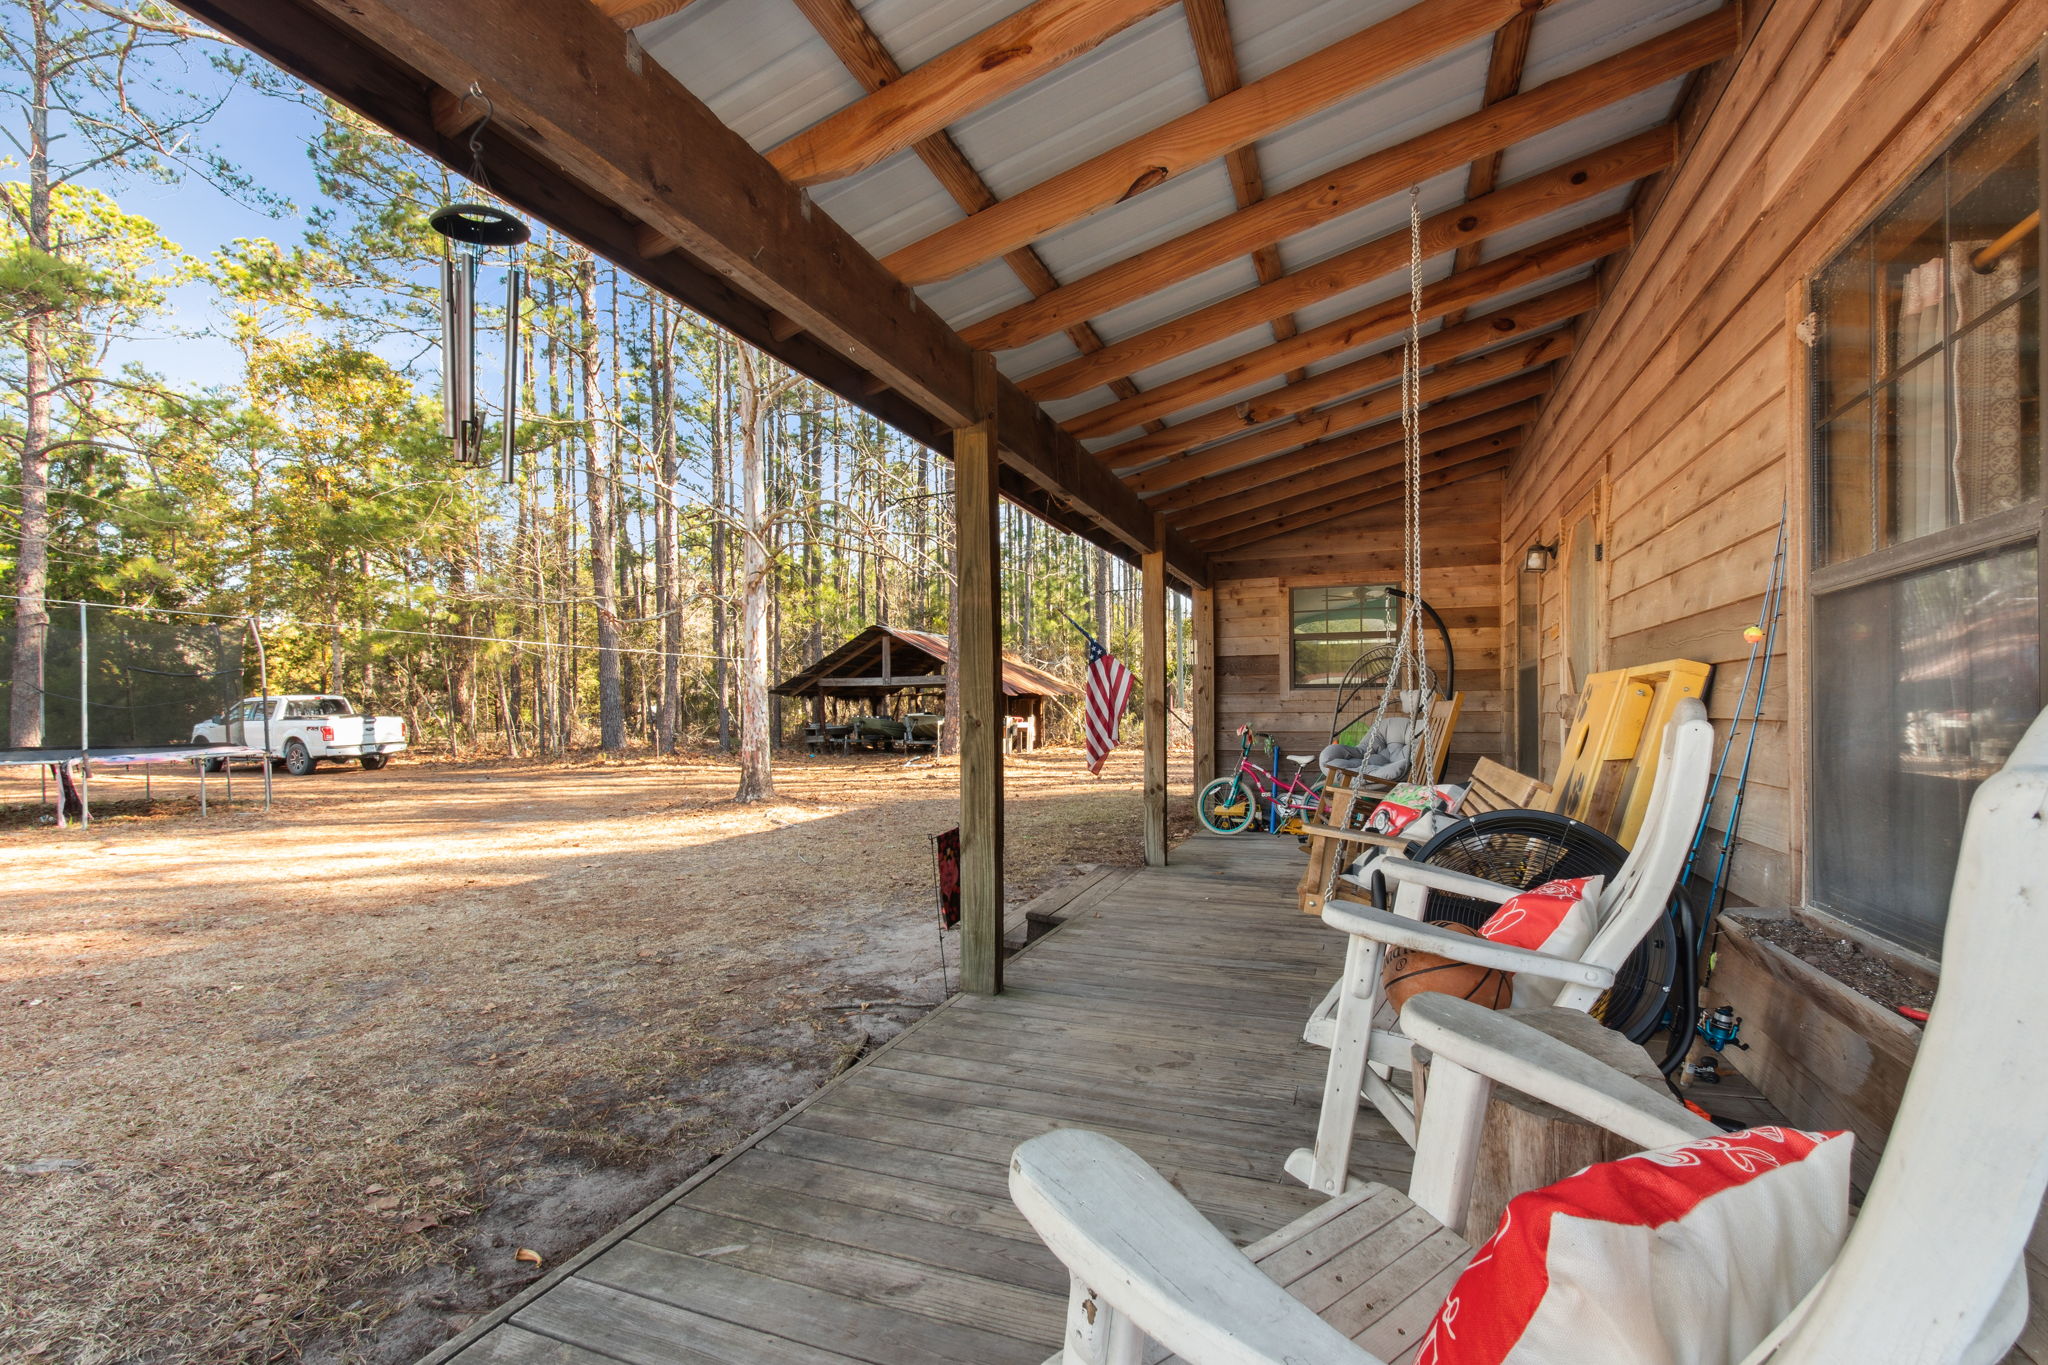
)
(476, 134)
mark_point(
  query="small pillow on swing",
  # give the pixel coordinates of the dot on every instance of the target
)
(1687, 1255)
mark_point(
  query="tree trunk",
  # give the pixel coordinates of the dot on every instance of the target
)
(757, 782)
(668, 536)
(720, 422)
(32, 560)
(597, 494)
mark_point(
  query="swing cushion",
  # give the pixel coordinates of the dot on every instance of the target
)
(1688, 1255)
(1555, 918)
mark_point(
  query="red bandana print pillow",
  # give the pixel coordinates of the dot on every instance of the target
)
(1687, 1255)
(1554, 918)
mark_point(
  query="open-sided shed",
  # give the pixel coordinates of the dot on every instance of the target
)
(882, 662)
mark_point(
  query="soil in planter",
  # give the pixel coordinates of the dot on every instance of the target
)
(1846, 960)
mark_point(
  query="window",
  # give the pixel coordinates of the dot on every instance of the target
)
(1928, 516)
(1331, 627)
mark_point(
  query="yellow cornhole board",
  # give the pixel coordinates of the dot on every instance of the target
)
(1611, 752)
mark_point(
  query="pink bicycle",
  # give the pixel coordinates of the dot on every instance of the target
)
(1232, 804)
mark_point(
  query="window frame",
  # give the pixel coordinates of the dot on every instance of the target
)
(1294, 637)
(2014, 528)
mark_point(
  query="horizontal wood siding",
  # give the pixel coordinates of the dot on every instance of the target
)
(1682, 408)
(1461, 571)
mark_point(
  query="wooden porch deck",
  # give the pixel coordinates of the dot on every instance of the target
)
(872, 1222)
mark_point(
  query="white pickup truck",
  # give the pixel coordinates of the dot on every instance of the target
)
(306, 727)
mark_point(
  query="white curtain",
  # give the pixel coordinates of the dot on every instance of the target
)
(1987, 462)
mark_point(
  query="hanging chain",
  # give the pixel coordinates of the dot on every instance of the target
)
(1410, 672)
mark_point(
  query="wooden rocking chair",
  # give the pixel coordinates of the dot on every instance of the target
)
(1930, 1273)
(1342, 793)
(1362, 1053)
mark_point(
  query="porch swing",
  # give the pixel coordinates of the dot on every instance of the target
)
(1406, 730)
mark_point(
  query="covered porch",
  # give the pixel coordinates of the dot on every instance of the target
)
(1144, 269)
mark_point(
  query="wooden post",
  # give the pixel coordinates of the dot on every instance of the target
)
(977, 651)
(1156, 681)
(1202, 698)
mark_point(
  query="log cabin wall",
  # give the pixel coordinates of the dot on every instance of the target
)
(1678, 429)
(1461, 570)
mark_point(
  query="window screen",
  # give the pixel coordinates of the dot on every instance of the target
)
(1927, 521)
(1331, 627)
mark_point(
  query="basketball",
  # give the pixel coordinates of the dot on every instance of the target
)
(1406, 974)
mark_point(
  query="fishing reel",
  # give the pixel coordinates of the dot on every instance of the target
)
(1720, 1027)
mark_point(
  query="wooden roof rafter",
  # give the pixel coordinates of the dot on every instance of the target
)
(1364, 181)
(1375, 370)
(1276, 529)
(1216, 54)
(1438, 456)
(1525, 200)
(1504, 67)
(1376, 438)
(1377, 322)
(1400, 42)
(970, 75)
(863, 53)
(1383, 455)
(1305, 428)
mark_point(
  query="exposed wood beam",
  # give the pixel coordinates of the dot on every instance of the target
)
(1155, 670)
(1371, 178)
(1383, 367)
(1334, 474)
(1528, 199)
(1359, 62)
(1216, 55)
(595, 138)
(894, 680)
(1479, 468)
(978, 665)
(862, 52)
(1503, 78)
(1252, 480)
(968, 76)
(1353, 413)
(1387, 318)
(1386, 476)
(633, 13)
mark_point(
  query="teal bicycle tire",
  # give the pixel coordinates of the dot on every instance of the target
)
(1230, 789)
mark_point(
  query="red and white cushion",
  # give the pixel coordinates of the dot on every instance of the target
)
(1687, 1255)
(1554, 918)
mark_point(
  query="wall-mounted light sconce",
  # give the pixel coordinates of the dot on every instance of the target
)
(1538, 556)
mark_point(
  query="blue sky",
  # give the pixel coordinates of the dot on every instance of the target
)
(266, 136)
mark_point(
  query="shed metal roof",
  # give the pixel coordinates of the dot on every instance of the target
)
(859, 656)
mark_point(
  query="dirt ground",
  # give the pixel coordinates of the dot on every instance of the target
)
(325, 1084)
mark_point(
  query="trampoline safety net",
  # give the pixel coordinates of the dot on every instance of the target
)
(148, 679)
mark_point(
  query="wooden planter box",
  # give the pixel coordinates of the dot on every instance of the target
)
(1825, 1055)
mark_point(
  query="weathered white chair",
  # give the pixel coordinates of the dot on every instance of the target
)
(1364, 1050)
(1930, 1273)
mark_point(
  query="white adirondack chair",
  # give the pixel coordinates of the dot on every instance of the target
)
(1364, 1050)
(1930, 1273)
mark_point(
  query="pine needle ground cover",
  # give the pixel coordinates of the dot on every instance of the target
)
(326, 1084)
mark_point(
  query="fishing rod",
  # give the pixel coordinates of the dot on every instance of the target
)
(1755, 635)
(1774, 612)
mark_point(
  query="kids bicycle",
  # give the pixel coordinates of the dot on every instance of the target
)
(1232, 804)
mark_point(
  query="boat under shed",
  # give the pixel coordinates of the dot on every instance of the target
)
(868, 673)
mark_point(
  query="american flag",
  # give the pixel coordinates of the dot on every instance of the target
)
(1108, 691)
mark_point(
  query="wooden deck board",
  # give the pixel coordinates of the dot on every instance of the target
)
(872, 1223)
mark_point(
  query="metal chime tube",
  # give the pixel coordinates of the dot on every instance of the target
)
(449, 428)
(466, 442)
(515, 285)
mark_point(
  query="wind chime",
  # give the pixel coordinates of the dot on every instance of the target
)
(472, 230)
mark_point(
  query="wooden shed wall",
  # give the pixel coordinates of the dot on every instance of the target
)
(1682, 410)
(1461, 568)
